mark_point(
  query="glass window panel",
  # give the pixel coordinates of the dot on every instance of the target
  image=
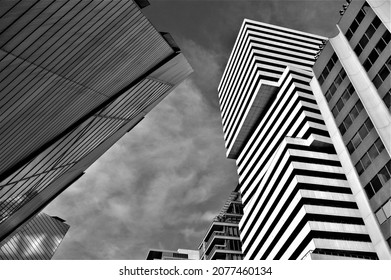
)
(365, 161)
(330, 65)
(381, 217)
(359, 168)
(387, 100)
(376, 184)
(373, 56)
(360, 16)
(328, 96)
(354, 113)
(339, 105)
(321, 79)
(335, 111)
(348, 121)
(358, 50)
(369, 191)
(379, 145)
(370, 31)
(364, 41)
(345, 96)
(356, 141)
(372, 152)
(338, 81)
(384, 73)
(342, 129)
(376, 22)
(387, 209)
(359, 106)
(354, 24)
(334, 58)
(386, 36)
(350, 89)
(350, 147)
(349, 34)
(384, 175)
(332, 89)
(367, 65)
(368, 124)
(377, 81)
(363, 132)
(380, 46)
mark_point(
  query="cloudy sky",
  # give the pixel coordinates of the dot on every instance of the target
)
(162, 183)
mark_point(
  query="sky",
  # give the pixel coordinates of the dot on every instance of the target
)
(161, 185)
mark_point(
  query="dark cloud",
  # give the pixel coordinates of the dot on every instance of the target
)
(161, 184)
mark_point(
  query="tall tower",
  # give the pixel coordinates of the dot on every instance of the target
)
(353, 90)
(75, 77)
(37, 239)
(297, 201)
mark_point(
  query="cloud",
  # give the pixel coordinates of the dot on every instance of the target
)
(155, 183)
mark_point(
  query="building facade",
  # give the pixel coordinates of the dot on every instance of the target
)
(222, 239)
(353, 90)
(75, 77)
(180, 254)
(299, 201)
(37, 239)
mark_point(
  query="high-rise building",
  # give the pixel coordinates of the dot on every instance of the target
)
(222, 241)
(75, 77)
(37, 239)
(180, 254)
(353, 90)
(298, 196)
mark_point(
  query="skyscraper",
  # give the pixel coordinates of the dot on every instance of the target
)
(221, 240)
(75, 77)
(353, 91)
(37, 239)
(299, 201)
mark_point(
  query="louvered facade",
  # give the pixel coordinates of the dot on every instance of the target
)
(75, 77)
(298, 203)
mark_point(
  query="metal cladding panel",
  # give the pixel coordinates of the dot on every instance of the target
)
(59, 60)
(258, 59)
(37, 239)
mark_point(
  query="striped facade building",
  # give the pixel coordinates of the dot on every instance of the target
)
(37, 239)
(298, 201)
(75, 77)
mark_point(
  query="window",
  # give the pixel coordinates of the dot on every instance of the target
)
(378, 181)
(382, 75)
(344, 98)
(354, 25)
(335, 84)
(330, 64)
(354, 112)
(387, 99)
(359, 136)
(367, 36)
(369, 156)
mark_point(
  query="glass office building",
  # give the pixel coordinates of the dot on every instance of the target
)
(75, 77)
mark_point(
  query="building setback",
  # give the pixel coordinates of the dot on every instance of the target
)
(75, 77)
(222, 241)
(299, 201)
(37, 239)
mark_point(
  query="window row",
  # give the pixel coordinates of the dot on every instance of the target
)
(342, 100)
(382, 75)
(369, 156)
(367, 35)
(333, 60)
(335, 84)
(356, 22)
(384, 212)
(379, 180)
(347, 122)
(359, 136)
(379, 48)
